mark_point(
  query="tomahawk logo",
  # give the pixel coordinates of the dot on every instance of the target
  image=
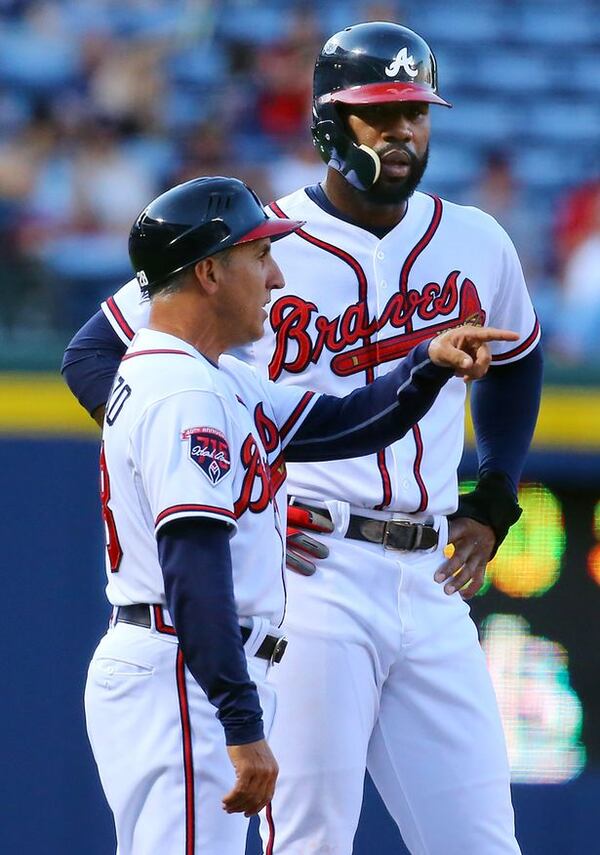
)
(209, 450)
(402, 61)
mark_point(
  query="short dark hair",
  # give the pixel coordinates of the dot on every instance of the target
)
(173, 285)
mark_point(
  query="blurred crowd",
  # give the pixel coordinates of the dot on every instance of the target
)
(105, 103)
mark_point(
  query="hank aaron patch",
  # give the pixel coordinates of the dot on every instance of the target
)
(208, 448)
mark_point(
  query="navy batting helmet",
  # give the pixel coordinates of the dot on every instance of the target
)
(194, 220)
(370, 63)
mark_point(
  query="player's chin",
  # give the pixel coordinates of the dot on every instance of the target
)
(258, 327)
(392, 191)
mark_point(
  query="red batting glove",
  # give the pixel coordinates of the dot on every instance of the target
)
(300, 545)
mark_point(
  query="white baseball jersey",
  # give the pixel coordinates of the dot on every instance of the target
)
(369, 301)
(185, 438)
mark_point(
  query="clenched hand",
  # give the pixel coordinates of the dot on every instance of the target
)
(256, 772)
(473, 543)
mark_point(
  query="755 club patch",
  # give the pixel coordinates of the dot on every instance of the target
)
(209, 450)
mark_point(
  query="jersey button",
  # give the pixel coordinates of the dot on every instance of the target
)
(383, 283)
(380, 254)
(405, 484)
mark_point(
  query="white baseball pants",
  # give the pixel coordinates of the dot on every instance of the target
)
(384, 671)
(160, 749)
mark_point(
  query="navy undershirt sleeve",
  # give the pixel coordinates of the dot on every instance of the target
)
(196, 562)
(91, 361)
(504, 406)
(372, 417)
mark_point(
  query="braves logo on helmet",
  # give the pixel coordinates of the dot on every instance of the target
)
(209, 450)
(402, 60)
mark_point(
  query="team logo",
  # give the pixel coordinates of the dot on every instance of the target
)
(402, 60)
(142, 279)
(209, 450)
(267, 429)
(256, 492)
(352, 338)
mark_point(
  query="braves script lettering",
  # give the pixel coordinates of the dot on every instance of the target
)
(292, 321)
(267, 429)
(256, 492)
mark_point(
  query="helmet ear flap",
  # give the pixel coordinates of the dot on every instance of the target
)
(330, 139)
(360, 165)
(375, 158)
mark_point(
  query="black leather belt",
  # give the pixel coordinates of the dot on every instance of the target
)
(393, 534)
(272, 647)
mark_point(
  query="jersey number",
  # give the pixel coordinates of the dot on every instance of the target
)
(119, 395)
(113, 547)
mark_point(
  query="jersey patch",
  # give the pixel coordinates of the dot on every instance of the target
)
(209, 450)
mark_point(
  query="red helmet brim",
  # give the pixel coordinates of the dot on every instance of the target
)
(384, 93)
(274, 229)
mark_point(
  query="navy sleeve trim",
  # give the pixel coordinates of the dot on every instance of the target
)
(185, 511)
(521, 348)
(119, 318)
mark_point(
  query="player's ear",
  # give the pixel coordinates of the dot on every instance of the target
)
(207, 274)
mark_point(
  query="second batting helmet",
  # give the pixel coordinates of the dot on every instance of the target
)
(370, 63)
(194, 220)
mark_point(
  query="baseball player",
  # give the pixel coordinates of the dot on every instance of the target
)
(192, 456)
(385, 670)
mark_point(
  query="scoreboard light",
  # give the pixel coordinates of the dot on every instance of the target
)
(594, 554)
(594, 563)
(541, 713)
(539, 627)
(528, 562)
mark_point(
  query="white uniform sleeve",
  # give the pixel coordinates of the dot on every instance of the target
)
(127, 311)
(512, 309)
(291, 405)
(182, 447)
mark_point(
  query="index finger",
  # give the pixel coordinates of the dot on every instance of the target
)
(489, 334)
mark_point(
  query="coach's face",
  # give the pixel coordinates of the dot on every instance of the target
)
(399, 134)
(251, 274)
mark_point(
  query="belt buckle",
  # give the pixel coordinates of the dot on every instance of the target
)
(278, 651)
(389, 527)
